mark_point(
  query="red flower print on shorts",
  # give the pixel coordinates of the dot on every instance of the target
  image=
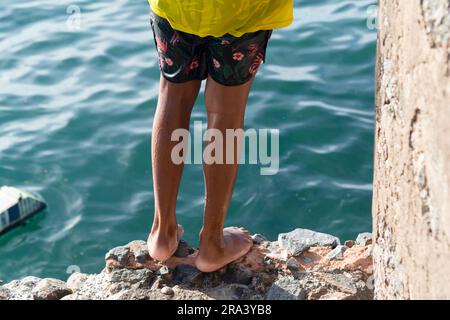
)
(194, 63)
(238, 56)
(161, 61)
(169, 61)
(255, 65)
(161, 44)
(216, 63)
(253, 49)
(225, 42)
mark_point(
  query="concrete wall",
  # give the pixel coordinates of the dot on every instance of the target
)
(411, 207)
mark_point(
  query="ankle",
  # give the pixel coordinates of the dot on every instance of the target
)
(164, 230)
(211, 238)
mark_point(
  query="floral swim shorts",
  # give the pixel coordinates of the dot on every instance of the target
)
(228, 60)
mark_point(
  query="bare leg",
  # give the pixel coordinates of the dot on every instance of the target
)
(174, 109)
(218, 246)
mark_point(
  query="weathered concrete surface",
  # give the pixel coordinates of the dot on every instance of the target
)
(411, 207)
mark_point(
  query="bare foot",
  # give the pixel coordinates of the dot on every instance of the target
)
(213, 256)
(162, 246)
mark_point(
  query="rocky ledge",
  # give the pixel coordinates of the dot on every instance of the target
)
(300, 265)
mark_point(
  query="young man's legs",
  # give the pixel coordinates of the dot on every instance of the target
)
(174, 109)
(225, 107)
(218, 246)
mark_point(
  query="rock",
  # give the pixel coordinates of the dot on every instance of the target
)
(136, 244)
(341, 282)
(183, 250)
(230, 292)
(364, 239)
(138, 294)
(139, 250)
(292, 264)
(164, 270)
(286, 288)
(349, 243)
(267, 260)
(50, 289)
(75, 296)
(20, 289)
(5, 294)
(237, 273)
(185, 273)
(337, 253)
(76, 281)
(370, 250)
(141, 276)
(141, 256)
(120, 254)
(168, 291)
(337, 296)
(26, 283)
(300, 240)
(275, 252)
(157, 284)
(307, 260)
(165, 273)
(258, 238)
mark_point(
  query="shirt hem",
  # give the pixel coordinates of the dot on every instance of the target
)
(176, 26)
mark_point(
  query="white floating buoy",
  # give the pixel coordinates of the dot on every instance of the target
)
(16, 206)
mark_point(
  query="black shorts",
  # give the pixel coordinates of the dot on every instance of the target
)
(228, 60)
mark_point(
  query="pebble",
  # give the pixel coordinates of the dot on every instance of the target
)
(349, 243)
(141, 255)
(163, 271)
(168, 291)
(337, 253)
(158, 283)
(120, 254)
(258, 238)
(183, 250)
(364, 239)
(292, 264)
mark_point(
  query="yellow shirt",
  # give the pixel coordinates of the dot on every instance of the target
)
(218, 17)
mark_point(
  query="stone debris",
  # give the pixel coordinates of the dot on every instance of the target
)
(300, 240)
(286, 288)
(76, 281)
(364, 239)
(349, 243)
(50, 289)
(119, 254)
(258, 238)
(337, 253)
(302, 265)
(184, 250)
(168, 291)
(292, 264)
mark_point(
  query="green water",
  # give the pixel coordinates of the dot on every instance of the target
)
(76, 110)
